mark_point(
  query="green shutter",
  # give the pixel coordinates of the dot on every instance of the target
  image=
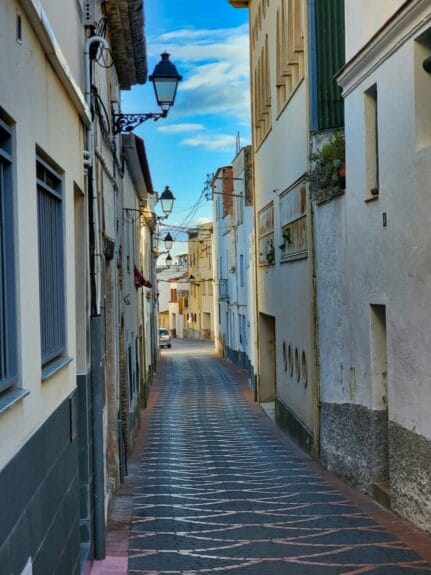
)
(330, 54)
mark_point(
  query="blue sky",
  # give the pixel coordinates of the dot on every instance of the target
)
(208, 43)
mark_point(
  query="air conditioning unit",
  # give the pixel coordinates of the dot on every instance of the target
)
(90, 13)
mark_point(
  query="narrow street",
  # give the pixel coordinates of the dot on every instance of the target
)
(219, 489)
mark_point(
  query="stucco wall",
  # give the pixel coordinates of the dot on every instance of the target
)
(390, 265)
(388, 251)
(363, 19)
(285, 289)
(32, 96)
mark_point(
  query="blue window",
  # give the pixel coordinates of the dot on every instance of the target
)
(8, 332)
(51, 262)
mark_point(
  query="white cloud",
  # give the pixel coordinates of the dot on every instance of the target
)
(203, 36)
(180, 128)
(202, 220)
(216, 143)
(215, 65)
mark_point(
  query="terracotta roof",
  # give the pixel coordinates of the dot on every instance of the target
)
(126, 35)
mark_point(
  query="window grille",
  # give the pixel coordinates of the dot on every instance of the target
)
(8, 335)
(51, 262)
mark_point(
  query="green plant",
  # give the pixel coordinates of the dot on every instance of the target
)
(327, 176)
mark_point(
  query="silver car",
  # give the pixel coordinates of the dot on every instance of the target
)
(164, 338)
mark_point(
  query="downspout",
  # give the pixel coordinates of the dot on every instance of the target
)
(96, 324)
(91, 161)
(313, 126)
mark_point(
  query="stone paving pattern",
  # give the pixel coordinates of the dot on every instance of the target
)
(220, 490)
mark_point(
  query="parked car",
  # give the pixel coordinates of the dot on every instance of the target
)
(164, 338)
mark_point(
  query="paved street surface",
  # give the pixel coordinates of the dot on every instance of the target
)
(219, 489)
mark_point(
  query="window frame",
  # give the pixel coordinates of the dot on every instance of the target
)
(8, 295)
(57, 261)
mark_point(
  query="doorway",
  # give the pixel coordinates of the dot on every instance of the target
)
(379, 391)
(267, 379)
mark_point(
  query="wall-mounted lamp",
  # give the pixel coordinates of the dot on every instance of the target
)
(168, 241)
(165, 79)
(130, 215)
(167, 200)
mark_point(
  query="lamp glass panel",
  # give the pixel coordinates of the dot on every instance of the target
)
(167, 205)
(165, 90)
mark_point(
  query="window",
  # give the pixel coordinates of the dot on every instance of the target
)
(19, 28)
(241, 270)
(8, 333)
(422, 79)
(266, 235)
(262, 95)
(293, 220)
(209, 255)
(290, 49)
(51, 262)
(371, 142)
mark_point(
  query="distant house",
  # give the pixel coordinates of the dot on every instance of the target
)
(200, 267)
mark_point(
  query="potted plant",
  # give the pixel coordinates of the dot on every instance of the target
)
(327, 177)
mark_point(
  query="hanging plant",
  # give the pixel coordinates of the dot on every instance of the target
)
(327, 177)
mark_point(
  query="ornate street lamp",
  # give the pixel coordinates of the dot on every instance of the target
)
(168, 261)
(167, 200)
(165, 79)
(168, 241)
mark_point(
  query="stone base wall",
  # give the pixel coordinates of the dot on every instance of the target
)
(39, 499)
(287, 420)
(354, 443)
(410, 471)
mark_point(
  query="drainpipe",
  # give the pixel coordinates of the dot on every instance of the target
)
(96, 324)
(97, 272)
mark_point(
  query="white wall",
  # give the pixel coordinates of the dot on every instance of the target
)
(390, 265)
(363, 19)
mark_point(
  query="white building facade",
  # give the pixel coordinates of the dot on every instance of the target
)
(280, 87)
(385, 393)
(234, 270)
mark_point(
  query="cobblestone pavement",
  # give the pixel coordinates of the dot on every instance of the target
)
(220, 490)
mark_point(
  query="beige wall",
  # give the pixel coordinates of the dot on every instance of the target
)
(285, 290)
(44, 117)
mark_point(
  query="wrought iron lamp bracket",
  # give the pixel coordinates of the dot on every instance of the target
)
(128, 122)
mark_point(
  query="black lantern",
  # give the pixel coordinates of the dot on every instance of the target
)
(167, 200)
(165, 79)
(168, 261)
(168, 241)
